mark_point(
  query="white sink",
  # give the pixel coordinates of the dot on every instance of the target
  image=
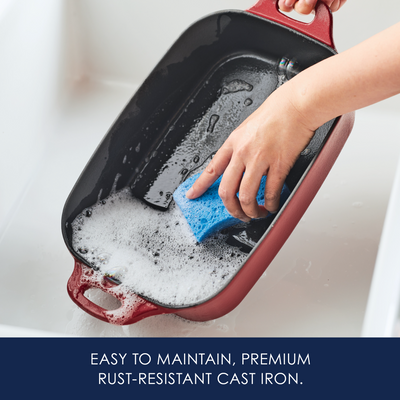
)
(67, 70)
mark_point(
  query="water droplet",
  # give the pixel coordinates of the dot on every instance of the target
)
(88, 212)
(305, 152)
(196, 159)
(213, 120)
(237, 85)
(137, 148)
(248, 102)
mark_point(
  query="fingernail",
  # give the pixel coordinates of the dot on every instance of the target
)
(189, 193)
(288, 3)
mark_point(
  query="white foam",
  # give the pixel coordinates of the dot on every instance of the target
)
(154, 253)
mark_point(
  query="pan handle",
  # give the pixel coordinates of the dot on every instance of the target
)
(133, 308)
(320, 28)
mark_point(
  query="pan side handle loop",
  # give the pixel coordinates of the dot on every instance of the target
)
(320, 28)
(133, 308)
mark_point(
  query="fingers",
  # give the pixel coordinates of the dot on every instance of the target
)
(337, 4)
(228, 189)
(248, 191)
(273, 187)
(286, 5)
(246, 207)
(305, 6)
(212, 172)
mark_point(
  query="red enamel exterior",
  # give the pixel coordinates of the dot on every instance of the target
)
(133, 308)
(320, 28)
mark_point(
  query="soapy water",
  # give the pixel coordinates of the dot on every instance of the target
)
(153, 253)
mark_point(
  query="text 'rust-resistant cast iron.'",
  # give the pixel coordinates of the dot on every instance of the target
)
(261, 48)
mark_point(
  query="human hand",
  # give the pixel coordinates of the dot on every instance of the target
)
(268, 143)
(306, 6)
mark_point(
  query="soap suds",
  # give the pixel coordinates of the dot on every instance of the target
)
(154, 253)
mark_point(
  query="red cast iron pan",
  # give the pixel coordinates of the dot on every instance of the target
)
(229, 46)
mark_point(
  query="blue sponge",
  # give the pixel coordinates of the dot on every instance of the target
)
(207, 214)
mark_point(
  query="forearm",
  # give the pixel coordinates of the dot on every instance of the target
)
(356, 78)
